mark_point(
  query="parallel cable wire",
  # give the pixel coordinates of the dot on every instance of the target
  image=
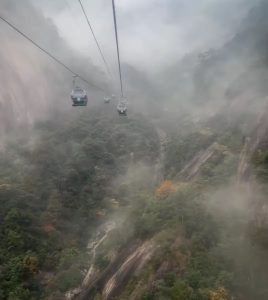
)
(95, 39)
(117, 45)
(74, 19)
(49, 54)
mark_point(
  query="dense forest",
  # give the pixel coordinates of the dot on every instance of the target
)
(70, 175)
(56, 185)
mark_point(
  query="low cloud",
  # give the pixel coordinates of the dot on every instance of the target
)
(153, 33)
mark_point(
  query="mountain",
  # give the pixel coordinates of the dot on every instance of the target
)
(238, 70)
(168, 203)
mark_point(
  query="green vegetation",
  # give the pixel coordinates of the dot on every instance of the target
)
(209, 247)
(260, 162)
(51, 190)
(181, 149)
(56, 189)
(189, 248)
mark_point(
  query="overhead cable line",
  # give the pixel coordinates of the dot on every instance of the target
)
(95, 39)
(49, 54)
(117, 46)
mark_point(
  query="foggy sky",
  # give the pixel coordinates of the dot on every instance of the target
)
(153, 33)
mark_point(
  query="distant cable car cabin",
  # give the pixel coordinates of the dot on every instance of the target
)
(78, 95)
(107, 100)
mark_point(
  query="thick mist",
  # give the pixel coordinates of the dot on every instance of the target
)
(176, 83)
(33, 85)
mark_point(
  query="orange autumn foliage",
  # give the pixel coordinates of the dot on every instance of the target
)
(31, 263)
(219, 294)
(49, 228)
(165, 189)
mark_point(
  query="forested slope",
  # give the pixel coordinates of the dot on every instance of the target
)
(197, 231)
(55, 189)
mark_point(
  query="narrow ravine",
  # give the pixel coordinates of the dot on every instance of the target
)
(128, 262)
(193, 167)
(134, 262)
(93, 246)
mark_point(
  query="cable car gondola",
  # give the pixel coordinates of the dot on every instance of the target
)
(122, 108)
(107, 100)
(78, 95)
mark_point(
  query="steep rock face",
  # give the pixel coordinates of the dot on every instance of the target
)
(25, 73)
(134, 262)
(25, 90)
(192, 168)
(258, 140)
(255, 143)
